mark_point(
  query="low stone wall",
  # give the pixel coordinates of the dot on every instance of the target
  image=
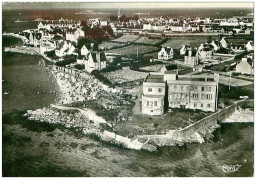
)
(196, 131)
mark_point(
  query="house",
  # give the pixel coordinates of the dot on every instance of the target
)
(223, 42)
(249, 46)
(205, 51)
(166, 53)
(184, 48)
(33, 38)
(147, 27)
(64, 48)
(46, 45)
(237, 47)
(74, 34)
(84, 51)
(153, 95)
(95, 61)
(215, 45)
(191, 58)
(187, 92)
(245, 66)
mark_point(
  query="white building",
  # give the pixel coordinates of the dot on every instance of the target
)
(64, 48)
(166, 53)
(245, 67)
(249, 46)
(95, 61)
(153, 95)
(74, 34)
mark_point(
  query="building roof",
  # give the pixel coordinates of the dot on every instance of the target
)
(155, 79)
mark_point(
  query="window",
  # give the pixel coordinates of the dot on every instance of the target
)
(195, 105)
(155, 103)
(186, 96)
(182, 96)
(202, 105)
(151, 110)
(162, 102)
(151, 103)
(195, 96)
(209, 105)
(181, 88)
(209, 96)
(175, 87)
(147, 103)
(159, 90)
(149, 89)
(202, 96)
(202, 88)
(209, 89)
(187, 88)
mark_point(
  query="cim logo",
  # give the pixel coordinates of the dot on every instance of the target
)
(229, 168)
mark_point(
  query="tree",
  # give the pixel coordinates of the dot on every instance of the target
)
(113, 18)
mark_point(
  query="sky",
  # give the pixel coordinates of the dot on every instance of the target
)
(132, 5)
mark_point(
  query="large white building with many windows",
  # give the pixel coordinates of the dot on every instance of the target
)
(179, 91)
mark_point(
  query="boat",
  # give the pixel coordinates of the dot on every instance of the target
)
(6, 93)
(19, 20)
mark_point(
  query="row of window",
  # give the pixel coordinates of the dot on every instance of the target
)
(194, 96)
(195, 88)
(196, 105)
(154, 103)
(201, 105)
(203, 96)
(159, 90)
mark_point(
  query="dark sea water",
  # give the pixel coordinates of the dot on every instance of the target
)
(44, 154)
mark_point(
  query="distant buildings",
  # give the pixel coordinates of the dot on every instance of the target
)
(166, 53)
(187, 92)
(245, 66)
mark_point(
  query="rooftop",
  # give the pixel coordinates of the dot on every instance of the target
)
(155, 79)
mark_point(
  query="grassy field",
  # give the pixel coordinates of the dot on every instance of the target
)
(126, 38)
(177, 42)
(132, 50)
(148, 41)
(8, 41)
(120, 76)
(143, 124)
(109, 45)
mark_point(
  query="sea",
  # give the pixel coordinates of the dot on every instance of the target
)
(25, 84)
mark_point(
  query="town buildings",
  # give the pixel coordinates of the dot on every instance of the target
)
(168, 89)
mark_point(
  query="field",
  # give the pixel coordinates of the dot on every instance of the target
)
(121, 76)
(126, 38)
(146, 40)
(132, 50)
(153, 68)
(109, 45)
(177, 42)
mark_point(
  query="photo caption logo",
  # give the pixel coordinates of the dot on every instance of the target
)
(229, 168)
